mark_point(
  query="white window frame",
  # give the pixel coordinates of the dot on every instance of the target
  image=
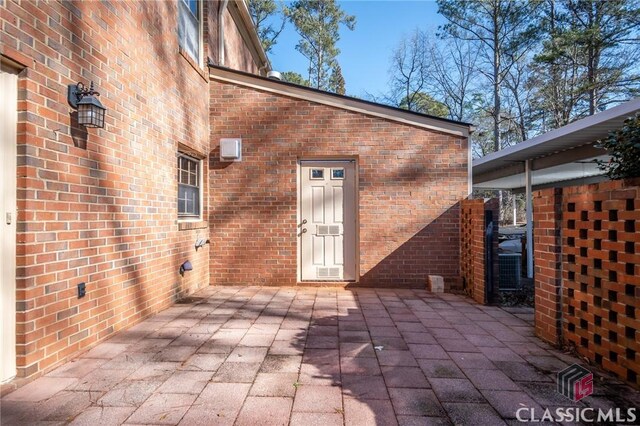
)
(183, 7)
(200, 178)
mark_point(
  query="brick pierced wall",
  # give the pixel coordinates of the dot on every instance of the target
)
(600, 272)
(99, 205)
(473, 246)
(547, 219)
(253, 203)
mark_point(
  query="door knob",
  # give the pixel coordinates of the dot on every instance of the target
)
(304, 222)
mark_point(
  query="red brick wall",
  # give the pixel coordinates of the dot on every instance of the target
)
(410, 182)
(597, 260)
(601, 274)
(472, 248)
(547, 219)
(99, 206)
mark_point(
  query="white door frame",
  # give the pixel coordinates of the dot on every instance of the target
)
(8, 219)
(328, 159)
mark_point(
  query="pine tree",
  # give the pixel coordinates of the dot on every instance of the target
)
(318, 24)
(261, 11)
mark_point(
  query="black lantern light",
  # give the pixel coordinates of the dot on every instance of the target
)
(90, 110)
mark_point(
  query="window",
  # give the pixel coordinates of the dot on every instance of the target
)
(189, 184)
(189, 31)
(337, 173)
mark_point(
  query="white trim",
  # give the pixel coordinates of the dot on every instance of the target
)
(299, 164)
(529, 214)
(252, 34)
(200, 161)
(349, 104)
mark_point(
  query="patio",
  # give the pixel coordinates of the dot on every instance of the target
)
(311, 356)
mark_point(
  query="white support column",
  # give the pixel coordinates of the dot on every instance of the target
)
(529, 212)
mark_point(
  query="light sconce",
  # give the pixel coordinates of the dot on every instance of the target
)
(186, 266)
(90, 110)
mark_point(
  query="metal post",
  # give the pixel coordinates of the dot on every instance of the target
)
(515, 208)
(529, 212)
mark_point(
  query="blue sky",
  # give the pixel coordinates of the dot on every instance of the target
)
(365, 52)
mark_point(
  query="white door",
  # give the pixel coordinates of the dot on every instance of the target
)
(8, 128)
(327, 227)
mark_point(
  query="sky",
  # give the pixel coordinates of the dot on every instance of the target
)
(366, 51)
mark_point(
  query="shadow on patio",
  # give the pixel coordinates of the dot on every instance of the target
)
(262, 356)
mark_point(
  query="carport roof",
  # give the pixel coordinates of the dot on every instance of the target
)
(560, 157)
(224, 74)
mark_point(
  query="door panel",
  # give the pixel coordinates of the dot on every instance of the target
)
(8, 151)
(328, 205)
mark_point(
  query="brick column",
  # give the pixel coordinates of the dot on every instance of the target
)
(547, 242)
(472, 246)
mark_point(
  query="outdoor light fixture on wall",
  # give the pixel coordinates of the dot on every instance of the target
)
(90, 110)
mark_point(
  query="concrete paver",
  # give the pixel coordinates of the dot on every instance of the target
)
(311, 356)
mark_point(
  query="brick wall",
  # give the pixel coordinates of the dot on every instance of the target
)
(473, 247)
(99, 205)
(599, 250)
(253, 203)
(547, 219)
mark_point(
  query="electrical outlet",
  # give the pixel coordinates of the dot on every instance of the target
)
(82, 290)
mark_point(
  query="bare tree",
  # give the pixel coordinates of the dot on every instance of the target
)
(502, 30)
(452, 68)
(409, 70)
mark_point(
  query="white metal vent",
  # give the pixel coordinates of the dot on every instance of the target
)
(324, 272)
(328, 230)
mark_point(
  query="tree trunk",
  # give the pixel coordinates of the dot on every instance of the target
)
(496, 80)
(591, 71)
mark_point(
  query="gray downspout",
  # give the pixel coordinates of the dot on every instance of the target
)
(223, 7)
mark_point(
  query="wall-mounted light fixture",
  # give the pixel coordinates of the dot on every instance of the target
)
(186, 266)
(90, 110)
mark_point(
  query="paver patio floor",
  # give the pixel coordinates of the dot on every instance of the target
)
(311, 356)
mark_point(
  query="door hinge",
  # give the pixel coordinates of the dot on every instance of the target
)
(8, 216)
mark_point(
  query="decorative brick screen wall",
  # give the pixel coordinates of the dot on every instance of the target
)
(600, 246)
(547, 219)
(473, 248)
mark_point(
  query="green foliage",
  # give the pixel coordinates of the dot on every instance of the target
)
(424, 103)
(624, 147)
(260, 11)
(318, 24)
(588, 59)
(336, 81)
(295, 78)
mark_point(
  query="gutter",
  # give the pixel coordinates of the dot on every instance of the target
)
(251, 36)
(221, 10)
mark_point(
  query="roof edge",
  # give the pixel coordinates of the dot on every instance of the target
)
(252, 33)
(630, 106)
(444, 125)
